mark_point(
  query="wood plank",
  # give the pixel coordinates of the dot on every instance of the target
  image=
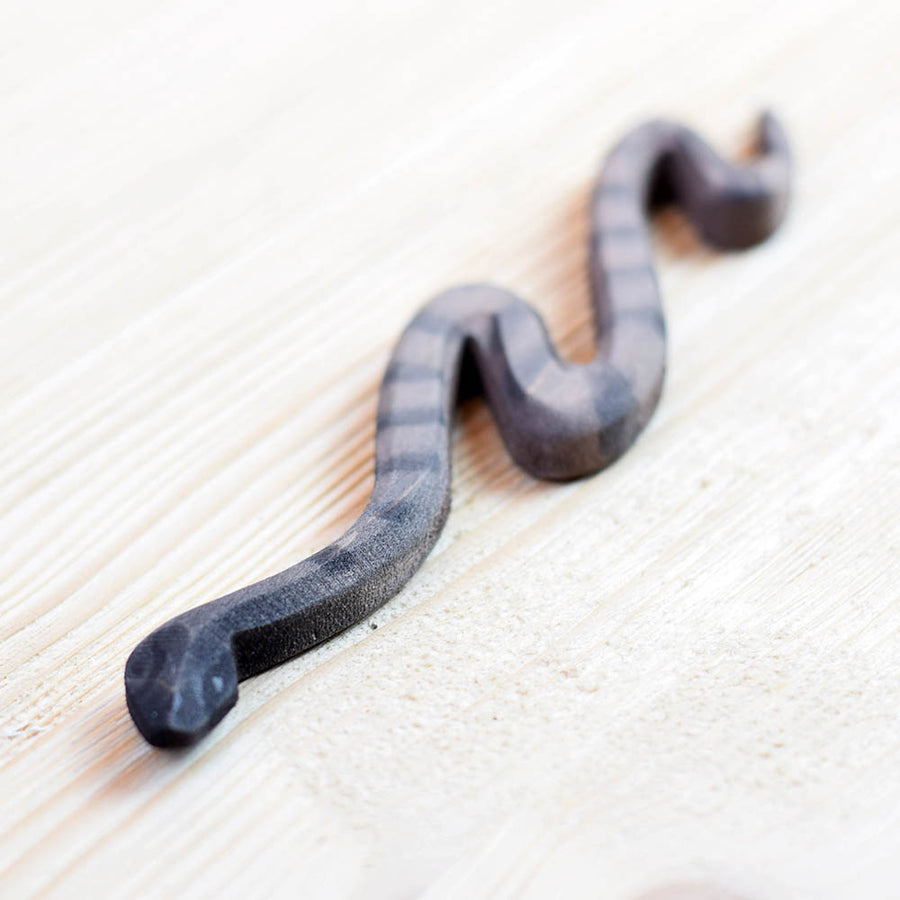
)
(680, 675)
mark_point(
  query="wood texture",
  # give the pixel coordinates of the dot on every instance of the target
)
(678, 676)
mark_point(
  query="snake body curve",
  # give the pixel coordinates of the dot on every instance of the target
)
(558, 420)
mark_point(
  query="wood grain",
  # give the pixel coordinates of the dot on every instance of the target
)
(679, 678)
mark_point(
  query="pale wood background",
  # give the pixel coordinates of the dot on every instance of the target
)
(676, 679)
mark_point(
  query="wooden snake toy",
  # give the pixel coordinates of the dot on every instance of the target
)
(557, 419)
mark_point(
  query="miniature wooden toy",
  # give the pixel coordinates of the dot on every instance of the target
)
(558, 420)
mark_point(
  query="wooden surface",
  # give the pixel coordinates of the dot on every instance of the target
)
(676, 679)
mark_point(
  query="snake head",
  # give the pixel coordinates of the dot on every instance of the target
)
(179, 683)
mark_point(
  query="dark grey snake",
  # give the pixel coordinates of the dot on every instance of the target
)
(558, 420)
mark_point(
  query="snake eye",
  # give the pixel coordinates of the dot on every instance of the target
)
(220, 683)
(145, 661)
(157, 655)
